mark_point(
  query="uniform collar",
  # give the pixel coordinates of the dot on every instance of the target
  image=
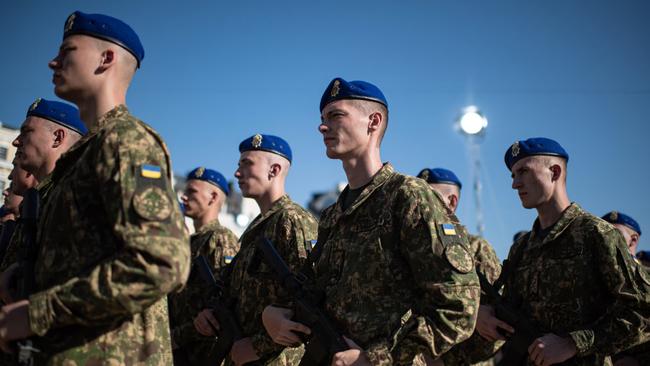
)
(210, 226)
(117, 112)
(277, 206)
(377, 181)
(571, 213)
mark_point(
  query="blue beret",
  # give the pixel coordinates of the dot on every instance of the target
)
(533, 146)
(341, 89)
(210, 176)
(616, 217)
(57, 112)
(440, 175)
(107, 28)
(272, 144)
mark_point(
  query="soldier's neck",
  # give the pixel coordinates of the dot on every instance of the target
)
(360, 170)
(206, 218)
(267, 200)
(551, 211)
(92, 108)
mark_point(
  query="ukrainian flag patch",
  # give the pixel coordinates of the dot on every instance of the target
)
(151, 171)
(227, 259)
(448, 229)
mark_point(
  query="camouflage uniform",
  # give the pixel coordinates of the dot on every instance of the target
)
(218, 245)
(397, 249)
(251, 284)
(478, 351)
(112, 245)
(580, 281)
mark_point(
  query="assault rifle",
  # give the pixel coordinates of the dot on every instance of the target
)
(325, 340)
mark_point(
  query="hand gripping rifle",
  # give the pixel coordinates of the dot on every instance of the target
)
(515, 350)
(230, 331)
(325, 340)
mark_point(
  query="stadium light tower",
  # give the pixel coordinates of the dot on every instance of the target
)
(473, 124)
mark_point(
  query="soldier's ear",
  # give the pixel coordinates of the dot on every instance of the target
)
(275, 170)
(635, 239)
(453, 202)
(374, 122)
(107, 60)
(59, 137)
(556, 169)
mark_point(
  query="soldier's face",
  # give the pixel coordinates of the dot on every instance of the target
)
(253, 173)
(630, 236)
(12, 201)
(33, 143)
(533, 181)
(21, 180)
(197, 198)
(74, 67)
(345, 130)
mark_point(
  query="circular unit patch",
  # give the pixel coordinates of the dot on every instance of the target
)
(152, 204)
(459, 258)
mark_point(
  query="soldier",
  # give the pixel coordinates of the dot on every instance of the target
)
(571, 274)
(263, 167)
(111, 242)
(204, 195)
(50, 129)
(388, 247)
(474, 351)
(631, 231)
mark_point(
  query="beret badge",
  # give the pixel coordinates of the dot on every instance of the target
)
(257, 141)
(335, 88)
(34, 105)
(199, 172)
(515, 149)
(613, 216)
(69, 22)
(425, 175)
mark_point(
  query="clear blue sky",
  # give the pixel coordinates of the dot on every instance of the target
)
(216, 72)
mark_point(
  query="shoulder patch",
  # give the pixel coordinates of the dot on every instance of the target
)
(150, 171)
(459, 258)
(152, 203)
(227, 259)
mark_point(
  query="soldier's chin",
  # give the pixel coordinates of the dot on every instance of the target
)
(64, 93)
(331, 153)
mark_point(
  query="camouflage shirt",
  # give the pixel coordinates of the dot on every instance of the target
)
(112, 245)
(477, 351)
(397, 249)
(252, 285)
(580, 281)
(218, 245)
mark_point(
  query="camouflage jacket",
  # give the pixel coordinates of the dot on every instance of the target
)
(218, 245)
(251, 283)
(13, 253)
(580, 281)
(397, 249)
(112, 245)
(477, 351)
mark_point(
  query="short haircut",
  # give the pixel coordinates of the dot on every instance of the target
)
(369, 107)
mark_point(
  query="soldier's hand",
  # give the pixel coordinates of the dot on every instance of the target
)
(352, 357)
(551, 349)
(488, 325)
(206, 324)
(14, 324)
(278, 324)
(243, 352)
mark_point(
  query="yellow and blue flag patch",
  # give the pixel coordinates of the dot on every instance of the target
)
(227, 259)
(151, 171)
(448, 229)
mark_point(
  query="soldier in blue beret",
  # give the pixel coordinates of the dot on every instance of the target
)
(264, 164)
(629, 228)
(101, 283)
(474, 350)
(393, 259)
(570, 274)
(203, 197)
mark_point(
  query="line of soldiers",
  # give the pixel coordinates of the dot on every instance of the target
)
(110, 277)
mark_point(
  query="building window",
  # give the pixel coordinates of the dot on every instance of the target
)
(3, 153)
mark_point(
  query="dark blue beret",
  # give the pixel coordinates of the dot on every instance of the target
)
(533, 146)
(340, 89)
(272, 144)
(58, 112)
(210, 176)
(616, 217)
(440, 175)
(107, 28)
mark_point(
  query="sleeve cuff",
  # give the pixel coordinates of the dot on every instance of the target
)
(379, 354)
(41, 314)
(264, 345)
(584, 340)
